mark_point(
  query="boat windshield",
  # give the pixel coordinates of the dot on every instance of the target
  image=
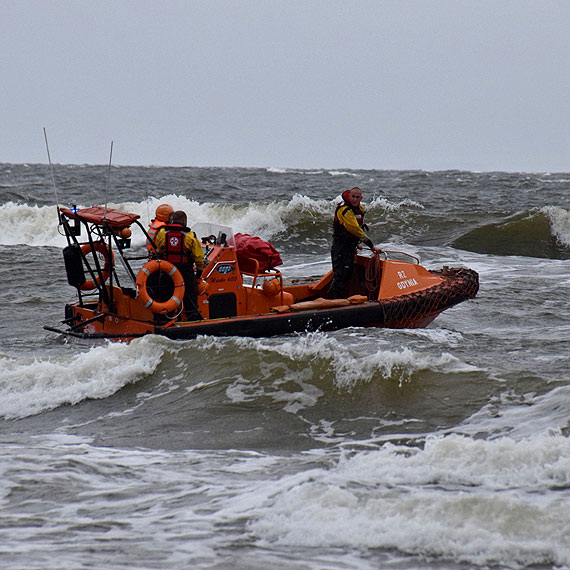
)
(214, 233)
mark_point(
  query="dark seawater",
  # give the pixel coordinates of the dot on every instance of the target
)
(446, 447)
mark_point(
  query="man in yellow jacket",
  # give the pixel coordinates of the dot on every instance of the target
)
(179, 245)
(348, 232)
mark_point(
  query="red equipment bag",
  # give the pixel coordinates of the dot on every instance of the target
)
(248, 246)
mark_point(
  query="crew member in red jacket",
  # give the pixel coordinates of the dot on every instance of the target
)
(348, 233)
(179, 245)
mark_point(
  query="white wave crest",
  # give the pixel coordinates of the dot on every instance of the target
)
(269, 219)
(38, 225)
(30, 225)
(342, 173)
(31, 387)
(560, 223)
(481, 502)
(276, 170)
(394, 206)
(348, 367)
(397, 365)
(518, 419)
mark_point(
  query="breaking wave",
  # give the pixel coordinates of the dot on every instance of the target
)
(476, 501)
(298, 218)
(294, 372)
(543, 233)
(30, 387)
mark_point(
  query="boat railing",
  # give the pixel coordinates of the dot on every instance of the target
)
(250, 266)
(400, 256)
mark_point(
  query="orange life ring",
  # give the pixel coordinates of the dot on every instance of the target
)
(104, 250)
(147, 270)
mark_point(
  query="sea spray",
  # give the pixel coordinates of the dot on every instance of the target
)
(560, 221)
(471, 500)
(36, 385)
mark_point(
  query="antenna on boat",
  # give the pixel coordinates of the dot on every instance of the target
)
(147, 204)
(108, 181)
(52, 176)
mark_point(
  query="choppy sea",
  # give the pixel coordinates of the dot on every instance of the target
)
(441, 448)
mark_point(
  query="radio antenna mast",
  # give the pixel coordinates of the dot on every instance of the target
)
(52, 176)
(108, 181)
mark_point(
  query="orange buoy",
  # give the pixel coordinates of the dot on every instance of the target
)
(271, 287)
(147, 270)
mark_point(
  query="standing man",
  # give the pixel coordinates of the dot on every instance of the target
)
(179, 245)
(348, 232)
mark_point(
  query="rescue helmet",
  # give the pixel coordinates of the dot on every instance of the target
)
(163, 212)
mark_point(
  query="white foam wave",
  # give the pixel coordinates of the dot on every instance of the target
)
(33, 386)
(482, 502)
(265, 220)
(521, 419)
(349, 366)
(313, 361)
(383, 203)
(341, 173)
(560, 223)
(394, 206)
(397, 365)
(38, 225)
(270, 219)
(277, 170)
(437, 335)
(30, 225)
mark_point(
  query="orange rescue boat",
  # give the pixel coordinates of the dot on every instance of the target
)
(238, 295)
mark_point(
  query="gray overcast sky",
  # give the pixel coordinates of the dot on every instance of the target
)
(442, 84)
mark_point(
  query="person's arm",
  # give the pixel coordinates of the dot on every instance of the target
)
(192, 244)
(347, 218)
(159, 240)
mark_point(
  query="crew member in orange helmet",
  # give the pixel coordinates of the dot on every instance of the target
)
(162, 214)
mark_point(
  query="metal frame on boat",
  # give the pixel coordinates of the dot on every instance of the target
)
(236, 297)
